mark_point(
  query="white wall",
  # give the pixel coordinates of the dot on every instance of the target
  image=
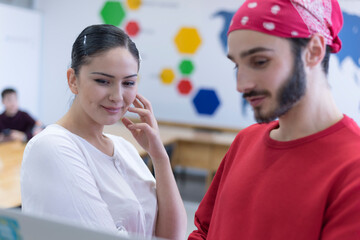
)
(20, 44)
(160, 20)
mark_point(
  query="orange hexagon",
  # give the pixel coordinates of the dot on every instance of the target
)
(187, 40)
(133, 4)
(167, 76)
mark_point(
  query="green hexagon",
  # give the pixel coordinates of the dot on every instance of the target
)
(186, 67)
(113, 13)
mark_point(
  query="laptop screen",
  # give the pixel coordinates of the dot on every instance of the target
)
(16, 225)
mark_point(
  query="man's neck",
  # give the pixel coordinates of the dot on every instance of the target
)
(11, 114)
(314, 113)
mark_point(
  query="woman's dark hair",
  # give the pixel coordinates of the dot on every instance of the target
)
(299, 43)
(95, 40)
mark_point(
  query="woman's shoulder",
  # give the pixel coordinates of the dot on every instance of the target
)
(53, 132)
(51, 138)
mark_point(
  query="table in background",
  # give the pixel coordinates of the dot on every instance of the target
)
(11, 154)
(194, 148)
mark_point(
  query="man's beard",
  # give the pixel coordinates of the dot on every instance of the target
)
(289, 94)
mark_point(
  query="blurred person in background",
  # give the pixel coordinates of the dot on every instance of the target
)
(15, 124)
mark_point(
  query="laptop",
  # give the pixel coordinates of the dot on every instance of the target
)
(16, 225)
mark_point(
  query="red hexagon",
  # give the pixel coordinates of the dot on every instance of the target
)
(132, 28)
(184, 86)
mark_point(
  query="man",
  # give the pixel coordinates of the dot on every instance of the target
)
(15, 125)
(298, 177)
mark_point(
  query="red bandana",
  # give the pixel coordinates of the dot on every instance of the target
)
(291, 19)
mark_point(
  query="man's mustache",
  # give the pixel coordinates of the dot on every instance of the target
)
(255, 93)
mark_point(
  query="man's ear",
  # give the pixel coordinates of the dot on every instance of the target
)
(72, 81)
(315, 50)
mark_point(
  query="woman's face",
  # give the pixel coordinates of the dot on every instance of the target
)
(106, 86)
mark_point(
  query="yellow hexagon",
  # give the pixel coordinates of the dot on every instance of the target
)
(133, 4)
(187, 40)
(167, 76)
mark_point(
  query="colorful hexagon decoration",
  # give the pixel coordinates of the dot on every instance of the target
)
(132, 28)
(113, 13)
(134, 4)
(206, 101)
(186, 67)
(167, 76)
(187, 40)
(184, 86)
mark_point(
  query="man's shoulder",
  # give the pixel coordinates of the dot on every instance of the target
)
(254, 132)
(258, 128)
(351, 129)
(22, 113)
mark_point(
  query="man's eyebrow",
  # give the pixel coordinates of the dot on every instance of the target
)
(251, 51)
(111, 76)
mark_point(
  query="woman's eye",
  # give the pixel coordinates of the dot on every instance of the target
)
(100, 81)
(129, 83)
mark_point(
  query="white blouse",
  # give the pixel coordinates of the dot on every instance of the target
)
(64, 176)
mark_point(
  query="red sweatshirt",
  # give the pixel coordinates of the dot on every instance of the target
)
(306, 189)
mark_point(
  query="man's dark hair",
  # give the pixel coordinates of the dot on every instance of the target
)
(7, 91)
(298, 44)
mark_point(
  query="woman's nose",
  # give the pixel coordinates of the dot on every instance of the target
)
(116, 94)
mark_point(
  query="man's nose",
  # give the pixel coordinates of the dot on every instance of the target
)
(244, 82)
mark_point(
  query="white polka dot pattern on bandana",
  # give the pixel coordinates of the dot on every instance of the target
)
(244, 20)
(275, 9)
(291, 19)
(269, 26)
(252, 5)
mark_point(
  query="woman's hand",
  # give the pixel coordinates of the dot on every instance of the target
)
(146, 132)
(171, 217)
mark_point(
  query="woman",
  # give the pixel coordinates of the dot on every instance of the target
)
(74, 171)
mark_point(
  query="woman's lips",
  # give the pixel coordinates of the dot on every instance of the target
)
(112, 110)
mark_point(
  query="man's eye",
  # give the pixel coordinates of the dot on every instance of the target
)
(260, 62)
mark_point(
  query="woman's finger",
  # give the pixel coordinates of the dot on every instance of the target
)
(146, 103)
(127, 122)
(138, 104)
(145, 115)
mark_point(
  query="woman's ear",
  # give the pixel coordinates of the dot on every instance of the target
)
(72, 81)
(315, 50)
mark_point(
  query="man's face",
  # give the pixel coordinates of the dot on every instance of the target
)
(11, 104)
(267, 74)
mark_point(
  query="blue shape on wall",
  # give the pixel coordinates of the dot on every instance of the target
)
(206, 101)
(227, 16)
(350, 37)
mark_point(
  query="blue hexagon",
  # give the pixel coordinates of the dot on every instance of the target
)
(206, 101)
